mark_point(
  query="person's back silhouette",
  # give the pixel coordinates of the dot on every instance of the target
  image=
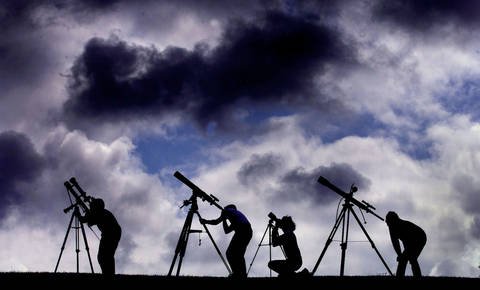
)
(111, 233)
(288, 241)
(239, 242)
(413, 239)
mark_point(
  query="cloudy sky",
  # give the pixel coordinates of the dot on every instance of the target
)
(253, 101)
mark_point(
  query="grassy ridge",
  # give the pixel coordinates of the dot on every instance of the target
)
(136, 282)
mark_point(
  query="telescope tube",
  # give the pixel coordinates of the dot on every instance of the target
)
(348, 196)
(196, 190)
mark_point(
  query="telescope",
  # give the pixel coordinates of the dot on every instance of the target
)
(197, 192)
(343, 218)
(273, 217)
(81, 196)
(76, 222)
(74, 182)
(186, 230)
(349, 196)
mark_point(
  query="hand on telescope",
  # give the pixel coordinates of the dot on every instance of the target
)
(275, 228)
(203, 221)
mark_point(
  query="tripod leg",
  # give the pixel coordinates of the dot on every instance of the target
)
(343, 245)
(64, 242)
(182, 243)
(329, 240)
(259, 245)
(215, 245)
(86, 247)
(371, 242)
(270, 246)
(77, 243)
(183, 246)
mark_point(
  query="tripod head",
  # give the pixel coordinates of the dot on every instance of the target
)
(349, 196)
(192, 202)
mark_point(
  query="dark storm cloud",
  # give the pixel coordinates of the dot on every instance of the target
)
(259, 167)
(19, 162)
(22, 55)
(25, 47)
(299, 184)
(15, 12)
(272, 60)
(467, 192)
(425, 14)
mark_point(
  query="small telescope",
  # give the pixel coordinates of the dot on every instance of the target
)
(197, 192)
(274, 220)
(349, 196)
(273, 217)
(81, 196)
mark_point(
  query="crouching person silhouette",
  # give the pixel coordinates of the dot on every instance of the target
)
(288, 241)
(111, 233)
(238, 245)
(413, 239)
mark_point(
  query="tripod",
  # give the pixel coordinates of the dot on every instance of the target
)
(345, 214)
(77, 226)
(186, 231)
(269, 230)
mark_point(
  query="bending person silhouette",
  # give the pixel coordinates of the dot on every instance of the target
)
(238, 223)
(413, 239)
(111, 233)
(288, 241)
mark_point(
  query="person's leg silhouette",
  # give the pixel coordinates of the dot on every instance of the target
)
(402, 265)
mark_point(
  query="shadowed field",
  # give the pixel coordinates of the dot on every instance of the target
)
(96, 281)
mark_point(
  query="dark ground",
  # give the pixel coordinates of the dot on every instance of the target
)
(97, 281)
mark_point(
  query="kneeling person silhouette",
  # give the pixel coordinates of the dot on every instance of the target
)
(288, 241)
(111, 233)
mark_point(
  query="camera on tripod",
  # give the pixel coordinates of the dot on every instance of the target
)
(274, 220)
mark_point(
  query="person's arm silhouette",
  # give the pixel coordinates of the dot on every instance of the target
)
(88, 218)
(210, 222)
(214, 221)
(83, 218)
(276, 239)
(227, 228)
(396, 244)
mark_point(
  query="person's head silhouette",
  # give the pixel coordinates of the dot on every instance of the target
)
(231, 206)
(287, 224)
(97, 204)
(391, 218)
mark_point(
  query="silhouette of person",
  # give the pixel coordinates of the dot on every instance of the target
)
(111, 233)
(288, 240)
(238, 223)
(413, 239)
